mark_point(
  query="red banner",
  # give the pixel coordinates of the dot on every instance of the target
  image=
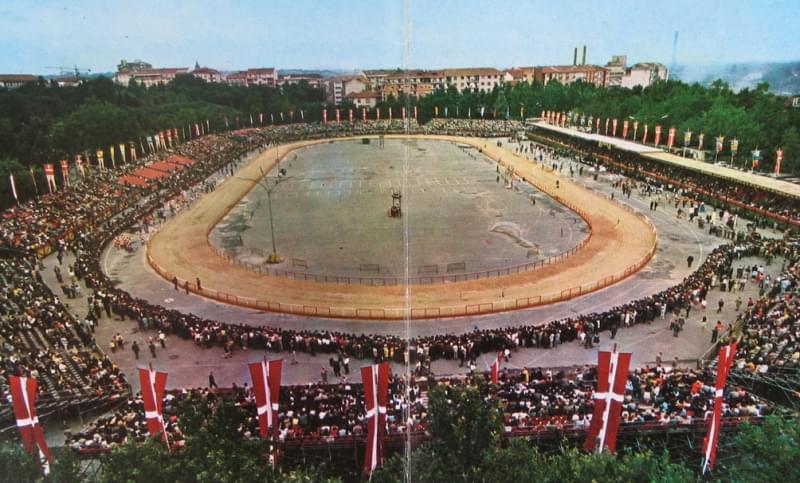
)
(496, 369)
(658, 135)
(376, 398)
(671, 138)
(625, 129)
(266, 378)
(612, 375)
(726, 354)
(152, 385)
(23, 395)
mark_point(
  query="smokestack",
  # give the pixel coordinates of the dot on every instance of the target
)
(575, 57)
(583, 62)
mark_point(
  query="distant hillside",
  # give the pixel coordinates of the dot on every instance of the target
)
(783, 78)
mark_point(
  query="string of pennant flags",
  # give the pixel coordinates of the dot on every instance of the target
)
(609, 128)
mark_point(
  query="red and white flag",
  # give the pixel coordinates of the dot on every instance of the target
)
(50, 176)
(671, 138)
(606, 131)
(496, 369)
(635, 129)
(324, 116)
(23, 395)
(338, 116)
(597, 126)
(612, 375)
(644, 136)
(377, 113)
(614, 127)
(625, 129)
(153, 384)
(726, 354)
(350, 115)
(376, 397)
(65, 172)
(197, 127)
(658, 134)
(261, 118)
(266, 378)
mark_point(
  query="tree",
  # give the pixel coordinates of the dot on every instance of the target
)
(765, 452)
(16, 465)
(790, 143)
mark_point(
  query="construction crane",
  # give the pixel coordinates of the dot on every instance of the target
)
(74, 68)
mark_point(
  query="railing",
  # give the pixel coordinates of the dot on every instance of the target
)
(265, 269)
(395, 313)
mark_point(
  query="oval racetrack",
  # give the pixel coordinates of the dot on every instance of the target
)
(621, 243)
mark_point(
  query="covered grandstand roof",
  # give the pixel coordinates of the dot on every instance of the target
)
(757, 180)
(616, 142)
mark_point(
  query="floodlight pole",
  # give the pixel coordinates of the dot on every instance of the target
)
(274, 257)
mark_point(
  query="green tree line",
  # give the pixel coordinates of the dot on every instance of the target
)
(756, 117)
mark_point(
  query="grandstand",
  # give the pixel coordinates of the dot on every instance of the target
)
(44, 338)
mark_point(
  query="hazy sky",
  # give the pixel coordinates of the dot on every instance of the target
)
(229, 35)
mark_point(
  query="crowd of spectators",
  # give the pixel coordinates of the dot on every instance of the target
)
(711, 189)
(769, 345)
(531, 400)
(38, 336)
(40, 339)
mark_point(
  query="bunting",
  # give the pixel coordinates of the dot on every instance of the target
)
(778, 160)
(50, 176)
(101, 165)
(13, 187)
(65, 172)
(79, 165)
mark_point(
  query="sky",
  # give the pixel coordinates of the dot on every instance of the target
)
(333, 34)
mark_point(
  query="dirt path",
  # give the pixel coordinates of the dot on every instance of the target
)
(621, 242)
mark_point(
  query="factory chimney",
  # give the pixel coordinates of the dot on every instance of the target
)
(583, 62)
(575, 57)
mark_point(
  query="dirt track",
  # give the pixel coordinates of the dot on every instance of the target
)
(621, 242)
